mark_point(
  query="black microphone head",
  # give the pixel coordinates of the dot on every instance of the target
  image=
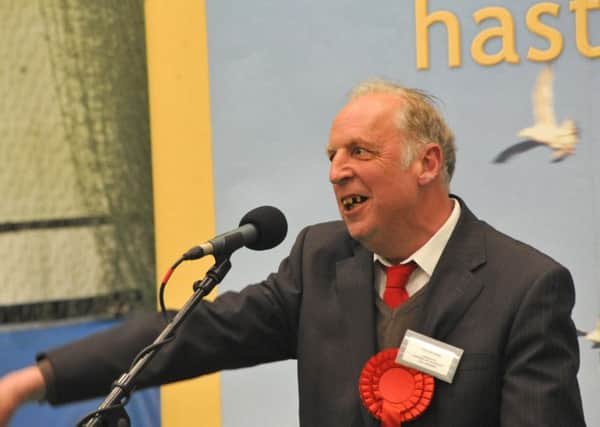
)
(270, 224)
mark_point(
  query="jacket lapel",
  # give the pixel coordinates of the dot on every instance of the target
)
(453, 287)
(354, 286)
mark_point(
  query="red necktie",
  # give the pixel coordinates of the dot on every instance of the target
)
(395, 284)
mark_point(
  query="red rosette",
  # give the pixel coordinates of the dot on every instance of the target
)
(391, 392)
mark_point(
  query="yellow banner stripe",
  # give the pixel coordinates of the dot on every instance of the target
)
(182, 174)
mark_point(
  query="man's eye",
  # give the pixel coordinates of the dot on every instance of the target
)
(360, 152)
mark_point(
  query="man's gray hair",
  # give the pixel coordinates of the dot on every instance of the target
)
(418, 120)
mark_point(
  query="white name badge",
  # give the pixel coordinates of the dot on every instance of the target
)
(428, 355)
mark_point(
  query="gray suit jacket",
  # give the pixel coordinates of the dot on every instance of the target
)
(506, 304)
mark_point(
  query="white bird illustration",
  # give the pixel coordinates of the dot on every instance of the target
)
(562, 139)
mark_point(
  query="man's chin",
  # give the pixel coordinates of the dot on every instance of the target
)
(359, 234)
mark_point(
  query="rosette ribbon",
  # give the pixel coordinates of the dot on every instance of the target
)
(394, 393)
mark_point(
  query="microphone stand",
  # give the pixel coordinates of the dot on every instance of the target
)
(111, 412)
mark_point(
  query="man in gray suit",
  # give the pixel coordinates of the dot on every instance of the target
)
(506, 305)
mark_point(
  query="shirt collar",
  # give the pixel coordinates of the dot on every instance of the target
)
(428, 255)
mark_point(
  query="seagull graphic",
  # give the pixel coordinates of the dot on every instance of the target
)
(593, 336)
(561, 139)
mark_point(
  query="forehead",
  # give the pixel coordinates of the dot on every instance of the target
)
(367, 117)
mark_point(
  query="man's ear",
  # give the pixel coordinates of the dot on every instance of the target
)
(432, 160)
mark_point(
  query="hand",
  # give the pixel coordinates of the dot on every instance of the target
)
(17, 388)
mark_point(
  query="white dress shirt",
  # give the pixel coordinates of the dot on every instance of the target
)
(426, 257)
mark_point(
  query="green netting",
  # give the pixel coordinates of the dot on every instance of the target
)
(74, 143)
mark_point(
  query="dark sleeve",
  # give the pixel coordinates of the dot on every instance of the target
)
(238, 329)
(542, 358)
(48, 374)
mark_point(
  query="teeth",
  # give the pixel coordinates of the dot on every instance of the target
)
(350, 201)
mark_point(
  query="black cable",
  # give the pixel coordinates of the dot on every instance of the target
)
(163, 285)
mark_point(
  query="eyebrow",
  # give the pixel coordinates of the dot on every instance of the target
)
(352, 143)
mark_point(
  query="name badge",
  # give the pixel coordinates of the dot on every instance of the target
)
(428, 355)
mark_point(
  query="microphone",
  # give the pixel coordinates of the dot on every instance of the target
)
(262, 228)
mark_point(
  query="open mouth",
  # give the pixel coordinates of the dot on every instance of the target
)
(352, 201)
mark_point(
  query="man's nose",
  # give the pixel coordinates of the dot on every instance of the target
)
(339, 169)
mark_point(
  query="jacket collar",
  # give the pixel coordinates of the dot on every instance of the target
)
(453, 287)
